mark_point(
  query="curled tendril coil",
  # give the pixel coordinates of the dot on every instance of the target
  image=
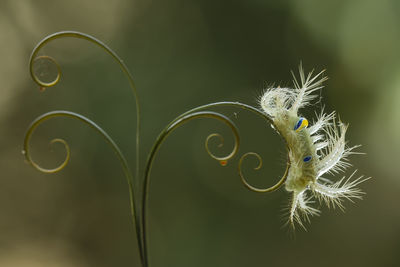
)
(224, 159)
(34, 56)
(74, 34)
(253, 188)
(53, 170)
(61, 113)
(44, 85)
(53, 114)
(133, 184)
(179, 121)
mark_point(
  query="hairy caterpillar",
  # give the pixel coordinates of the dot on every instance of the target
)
(313, 151)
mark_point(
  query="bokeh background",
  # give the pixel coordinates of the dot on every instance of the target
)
(184, 54)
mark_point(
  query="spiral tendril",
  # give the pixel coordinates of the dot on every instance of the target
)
(128, 174)
(61, 166)
(74, 34)
(132, 183)
(179, 121)
(44, 85)
(224, 159)
(256, 189)
(224, 162)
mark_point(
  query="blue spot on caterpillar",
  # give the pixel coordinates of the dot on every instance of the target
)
(302, 123)
(307, 159)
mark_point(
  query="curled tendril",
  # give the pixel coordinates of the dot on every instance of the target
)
(53, 114)
(44, 85)
(179, 121)
(263, 116)
(34, 56)
(223, 160)
(53, 170)
(253, 188)
(74, 34)
(62, 113)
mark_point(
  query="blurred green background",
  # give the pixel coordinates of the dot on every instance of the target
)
(184, 54)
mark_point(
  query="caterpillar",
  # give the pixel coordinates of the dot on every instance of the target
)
(314, 150)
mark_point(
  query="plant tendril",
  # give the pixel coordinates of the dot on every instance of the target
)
(44, 85)
(56, 169)
(128, 174)
(179, 121)
(74, 34)
(223, 162)
(135, 183)
(253, 188)
(221, 138)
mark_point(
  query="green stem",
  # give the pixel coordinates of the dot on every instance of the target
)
(234, 104)
(161, 138)
(185, 117)
(102, 45)
(135, 181)
(107, 138)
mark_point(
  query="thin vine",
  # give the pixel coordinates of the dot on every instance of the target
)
(74, 34)
(181, 120)
(127, 172)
